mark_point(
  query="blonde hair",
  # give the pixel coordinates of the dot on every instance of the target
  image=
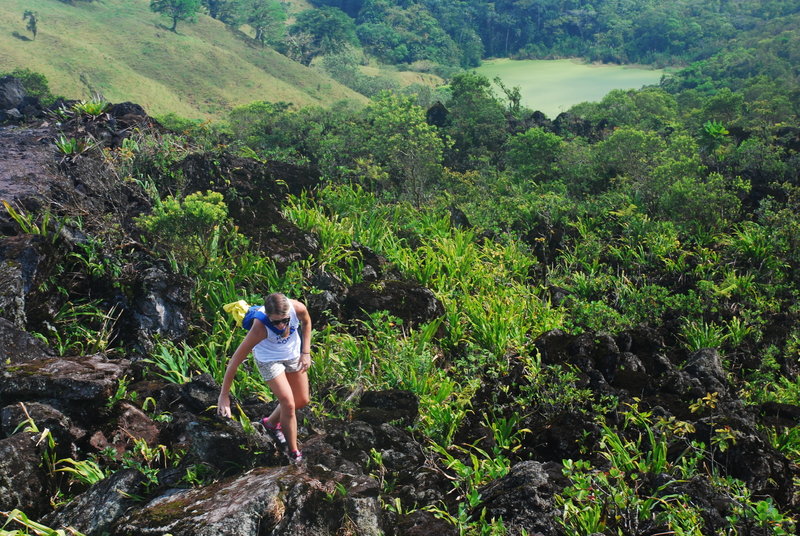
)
(276, 304)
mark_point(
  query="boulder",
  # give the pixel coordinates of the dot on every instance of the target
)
(555, 347)
(705, 365)
(524, 499)
(200, 395)
(630, 373)
(97, 509)
(268, 501)
(161, 306)
(132, 425)
(130, 109)
(422, 523)
(715, 505)
(780, 414)
(88, 379)
(63, 428)
(23, 480)
(375, 266)
(407, 300)
(17, 346)
(12, 92)
(378, 407)
(25, 262)
(739, 450)
(323, 307)
(219, 443)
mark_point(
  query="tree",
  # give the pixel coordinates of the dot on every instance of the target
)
(476, 122)
(329, 29)
(186, 227)
(533, 154)
(176, 10)
(351, 7)
(267, 18)
(227, 11)
(404, 34)
(629, 152)
(32, 21)
(397, 138)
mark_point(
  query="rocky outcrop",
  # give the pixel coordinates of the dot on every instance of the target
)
(11, 92)
(525, 498)
(97, 510)
(15, 104)
(409, 301)
(17, 346)
(161, 306)
(265, 500)
(246, 486)
(83, 379)
(24, 483)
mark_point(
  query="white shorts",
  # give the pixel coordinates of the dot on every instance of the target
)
(272, 369)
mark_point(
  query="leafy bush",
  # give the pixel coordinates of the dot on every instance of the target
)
(35, 84)
(190, 229)
(533, 154)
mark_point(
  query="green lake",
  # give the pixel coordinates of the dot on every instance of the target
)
(553, 86)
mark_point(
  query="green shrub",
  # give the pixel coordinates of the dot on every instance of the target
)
(533, 154)
(189, 229)
(35, 85)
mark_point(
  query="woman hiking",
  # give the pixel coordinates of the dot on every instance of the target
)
(280, 340)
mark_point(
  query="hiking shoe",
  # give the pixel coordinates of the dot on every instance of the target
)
(274, 432)
(296, 457)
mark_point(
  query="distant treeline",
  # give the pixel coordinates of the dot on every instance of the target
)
(737, 44)
(461, 32)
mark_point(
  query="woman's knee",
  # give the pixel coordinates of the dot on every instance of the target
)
(288, 405)
(301, 401)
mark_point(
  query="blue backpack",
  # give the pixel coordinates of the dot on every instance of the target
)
(244, 314)
(253, 312)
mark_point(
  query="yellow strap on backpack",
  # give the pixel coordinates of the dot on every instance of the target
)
(237, 310)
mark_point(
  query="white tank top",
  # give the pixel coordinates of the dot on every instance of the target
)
(279, 348)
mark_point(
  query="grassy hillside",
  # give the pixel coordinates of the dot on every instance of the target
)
(124, 51)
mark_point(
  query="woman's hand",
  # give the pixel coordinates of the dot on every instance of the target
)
(305, 362)
(224, 405)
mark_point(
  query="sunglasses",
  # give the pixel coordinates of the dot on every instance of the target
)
(279, 321)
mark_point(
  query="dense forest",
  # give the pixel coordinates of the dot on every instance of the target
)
(726, 44)
(665, 218)
(627, 31)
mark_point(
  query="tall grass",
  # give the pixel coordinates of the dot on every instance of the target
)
(380, 359)
(483, 286)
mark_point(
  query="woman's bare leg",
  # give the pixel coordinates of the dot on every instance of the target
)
(300, 391)
(282, 390)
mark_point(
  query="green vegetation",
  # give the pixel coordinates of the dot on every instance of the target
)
(176, 10)
(665, 221)
(321, 31)
(33, 21)
(123, 52)
(212, 66)
(673, 209)
(461, 32)
(17, 518)
(659, 225)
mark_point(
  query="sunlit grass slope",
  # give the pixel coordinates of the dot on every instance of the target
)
(124, 51)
